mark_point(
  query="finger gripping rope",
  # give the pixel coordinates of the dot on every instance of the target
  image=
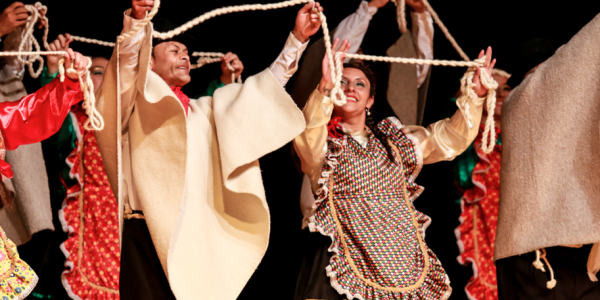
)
(468, 95)
(29, 43)
(95, 120)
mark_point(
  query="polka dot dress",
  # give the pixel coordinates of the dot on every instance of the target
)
(477, 232)
(91, 217)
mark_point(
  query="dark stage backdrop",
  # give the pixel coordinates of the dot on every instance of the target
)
(257, 37)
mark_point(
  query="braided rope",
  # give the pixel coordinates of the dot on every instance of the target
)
(222, 11)
(401, 15)
(468, 95)
(445, 30)
(95, 120)
(138, 26)
(92, 41)
(28, 41)
(28, 57)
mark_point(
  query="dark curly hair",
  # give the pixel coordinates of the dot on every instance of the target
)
(369, 121)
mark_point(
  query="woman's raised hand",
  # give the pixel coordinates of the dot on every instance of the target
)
(489, 64)
(327, 82)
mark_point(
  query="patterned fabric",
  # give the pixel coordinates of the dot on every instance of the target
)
(477, 230)
(365, 206)
(17, 279)
(90, 216)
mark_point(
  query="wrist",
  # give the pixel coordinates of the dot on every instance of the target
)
(325, 87)
(419, 10)
(4, 31)
(225, 78)
(52, 68)
(300, 37)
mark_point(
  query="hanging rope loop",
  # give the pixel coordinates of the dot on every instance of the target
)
(213, 57)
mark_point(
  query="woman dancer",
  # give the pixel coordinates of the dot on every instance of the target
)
(363, 175)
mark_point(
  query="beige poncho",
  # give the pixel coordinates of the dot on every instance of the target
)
(550, 191)
(197, 177)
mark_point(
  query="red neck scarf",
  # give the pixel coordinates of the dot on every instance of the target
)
(185, 101)
(334, 128)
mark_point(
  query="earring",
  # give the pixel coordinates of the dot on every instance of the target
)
(368, 111)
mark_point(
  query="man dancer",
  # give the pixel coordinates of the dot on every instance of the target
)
(197, 221)
(548, 238)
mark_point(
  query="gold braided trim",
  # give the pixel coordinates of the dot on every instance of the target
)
(475, 232)
(82, 226)
(415, 223)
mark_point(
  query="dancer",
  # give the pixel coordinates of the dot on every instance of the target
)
(31, 212)
(86, 189)
(30, 120)
(84, 192)
(548, 242)
(478, 175)
(196, 221)
(363, 177)
(414, 81)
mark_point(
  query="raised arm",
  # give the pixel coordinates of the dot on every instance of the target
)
(129, 53)
(448, 138)
(39, 115)
(354, 27)
(422, 32)
(311, 145)
(307, 24)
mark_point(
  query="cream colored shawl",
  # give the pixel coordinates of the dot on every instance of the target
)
(198, 178)
(550, 175)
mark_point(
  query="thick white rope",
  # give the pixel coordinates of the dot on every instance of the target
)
(401, 15)
(214, 57)
(95, 120)
(28, 57)
(451, 39)
(92, 41)
(28, 41)
(468, 95)
(222, 11)
(540, 266)
(336, 66)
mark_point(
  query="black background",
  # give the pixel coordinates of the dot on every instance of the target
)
(257, 37)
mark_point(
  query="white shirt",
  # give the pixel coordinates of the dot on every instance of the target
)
(354, 27)
(282, 68)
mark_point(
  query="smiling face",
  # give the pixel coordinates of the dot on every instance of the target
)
(97, 71)
(357, 88)
(170, 61)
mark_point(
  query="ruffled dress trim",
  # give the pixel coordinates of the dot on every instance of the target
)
(433, 281)
(89, 216)
(478, 220)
